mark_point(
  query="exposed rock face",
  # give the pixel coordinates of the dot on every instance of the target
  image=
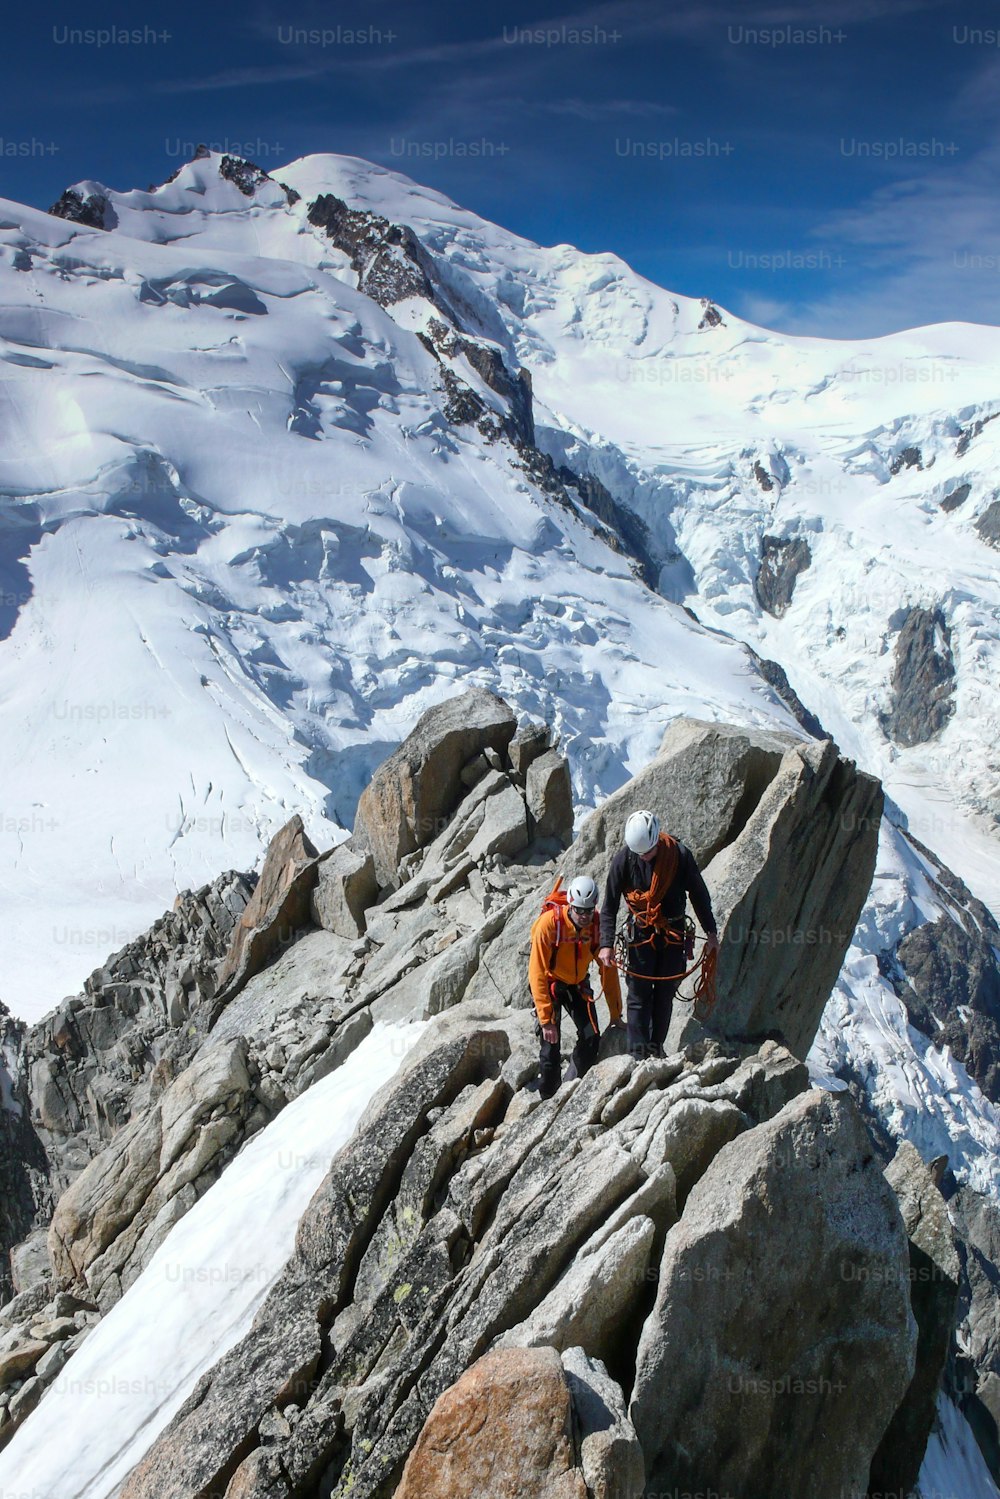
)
(784, 938)
(108, 1224)
(411, 796)
(988, 524)
(953, 993)
(549, 794)
(97, 1058)
(92, 209)
(277, 910)
(392, 265)
(977, 1222)
(25, 1195)
(619, 526)
(610, 1455)
(530, 741)
(504, 1427)
(956, 497)
(468, 1218)
(461, 1202)
(763, 478)
(976, 1376)
(590, 1301)
(782, 559)
(390, 261)
(788, 1391)
(487, 359)
(923, 679)
(245, 175)
(775, 676)
(36, 1340)
(705, 782)
(346, 886)
(755, 809)
(906, 458)
(934, 1276)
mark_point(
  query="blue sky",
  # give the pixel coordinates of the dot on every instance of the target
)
(829, 169)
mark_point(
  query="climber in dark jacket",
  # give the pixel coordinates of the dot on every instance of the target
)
(655, 873)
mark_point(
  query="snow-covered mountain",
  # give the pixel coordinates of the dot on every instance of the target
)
(287, 457)
(252, 526)
(278, 470)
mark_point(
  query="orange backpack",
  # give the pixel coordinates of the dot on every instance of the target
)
(558, 901)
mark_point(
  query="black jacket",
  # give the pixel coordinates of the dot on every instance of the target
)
(629, 872)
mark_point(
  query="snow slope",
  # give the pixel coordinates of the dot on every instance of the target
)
(243, 548)
(244, 544)
(673, 418)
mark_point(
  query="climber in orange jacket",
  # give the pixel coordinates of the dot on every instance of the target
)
(564, 942)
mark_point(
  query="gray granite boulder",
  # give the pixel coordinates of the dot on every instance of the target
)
(412, 794)
(781, 1342)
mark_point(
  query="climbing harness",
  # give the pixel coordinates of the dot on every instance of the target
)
(705, 966)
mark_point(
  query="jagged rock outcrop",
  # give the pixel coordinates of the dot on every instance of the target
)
(487, 359)
(976, 1378)
(784, 938)
(245, 175)
(312, 1001)
(955, 497)
(390, 261)
(610, 1455)
(462, 1201)
(988, 524)
(933, 1284)
(775, 676)
(118, 1211)
(923, 679)
(755, 808)
(345, 887)
(99, 1057)
(467, 1217)
(529, 742)
(952, 993)
(549, 795)
(908, 457)
(620, 527)
(93, 210)
(782, 559)
(409, 799)
(37, 1338)
(275, 912)
(783, 1379)
(25, 1193)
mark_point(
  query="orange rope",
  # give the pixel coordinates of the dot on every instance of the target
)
(705, 994)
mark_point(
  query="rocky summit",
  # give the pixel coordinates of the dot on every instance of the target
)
(692, 1273)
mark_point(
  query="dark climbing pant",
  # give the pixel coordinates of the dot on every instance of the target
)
(650, 1000)
(578, 1002)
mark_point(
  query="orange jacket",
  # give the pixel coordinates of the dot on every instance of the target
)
(566, 961)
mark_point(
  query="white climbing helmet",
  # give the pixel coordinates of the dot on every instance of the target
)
(582, 893)
(642, 831)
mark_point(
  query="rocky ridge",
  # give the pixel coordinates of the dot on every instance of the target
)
(471, 1231)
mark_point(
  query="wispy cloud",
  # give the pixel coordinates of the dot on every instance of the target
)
(920, 250)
